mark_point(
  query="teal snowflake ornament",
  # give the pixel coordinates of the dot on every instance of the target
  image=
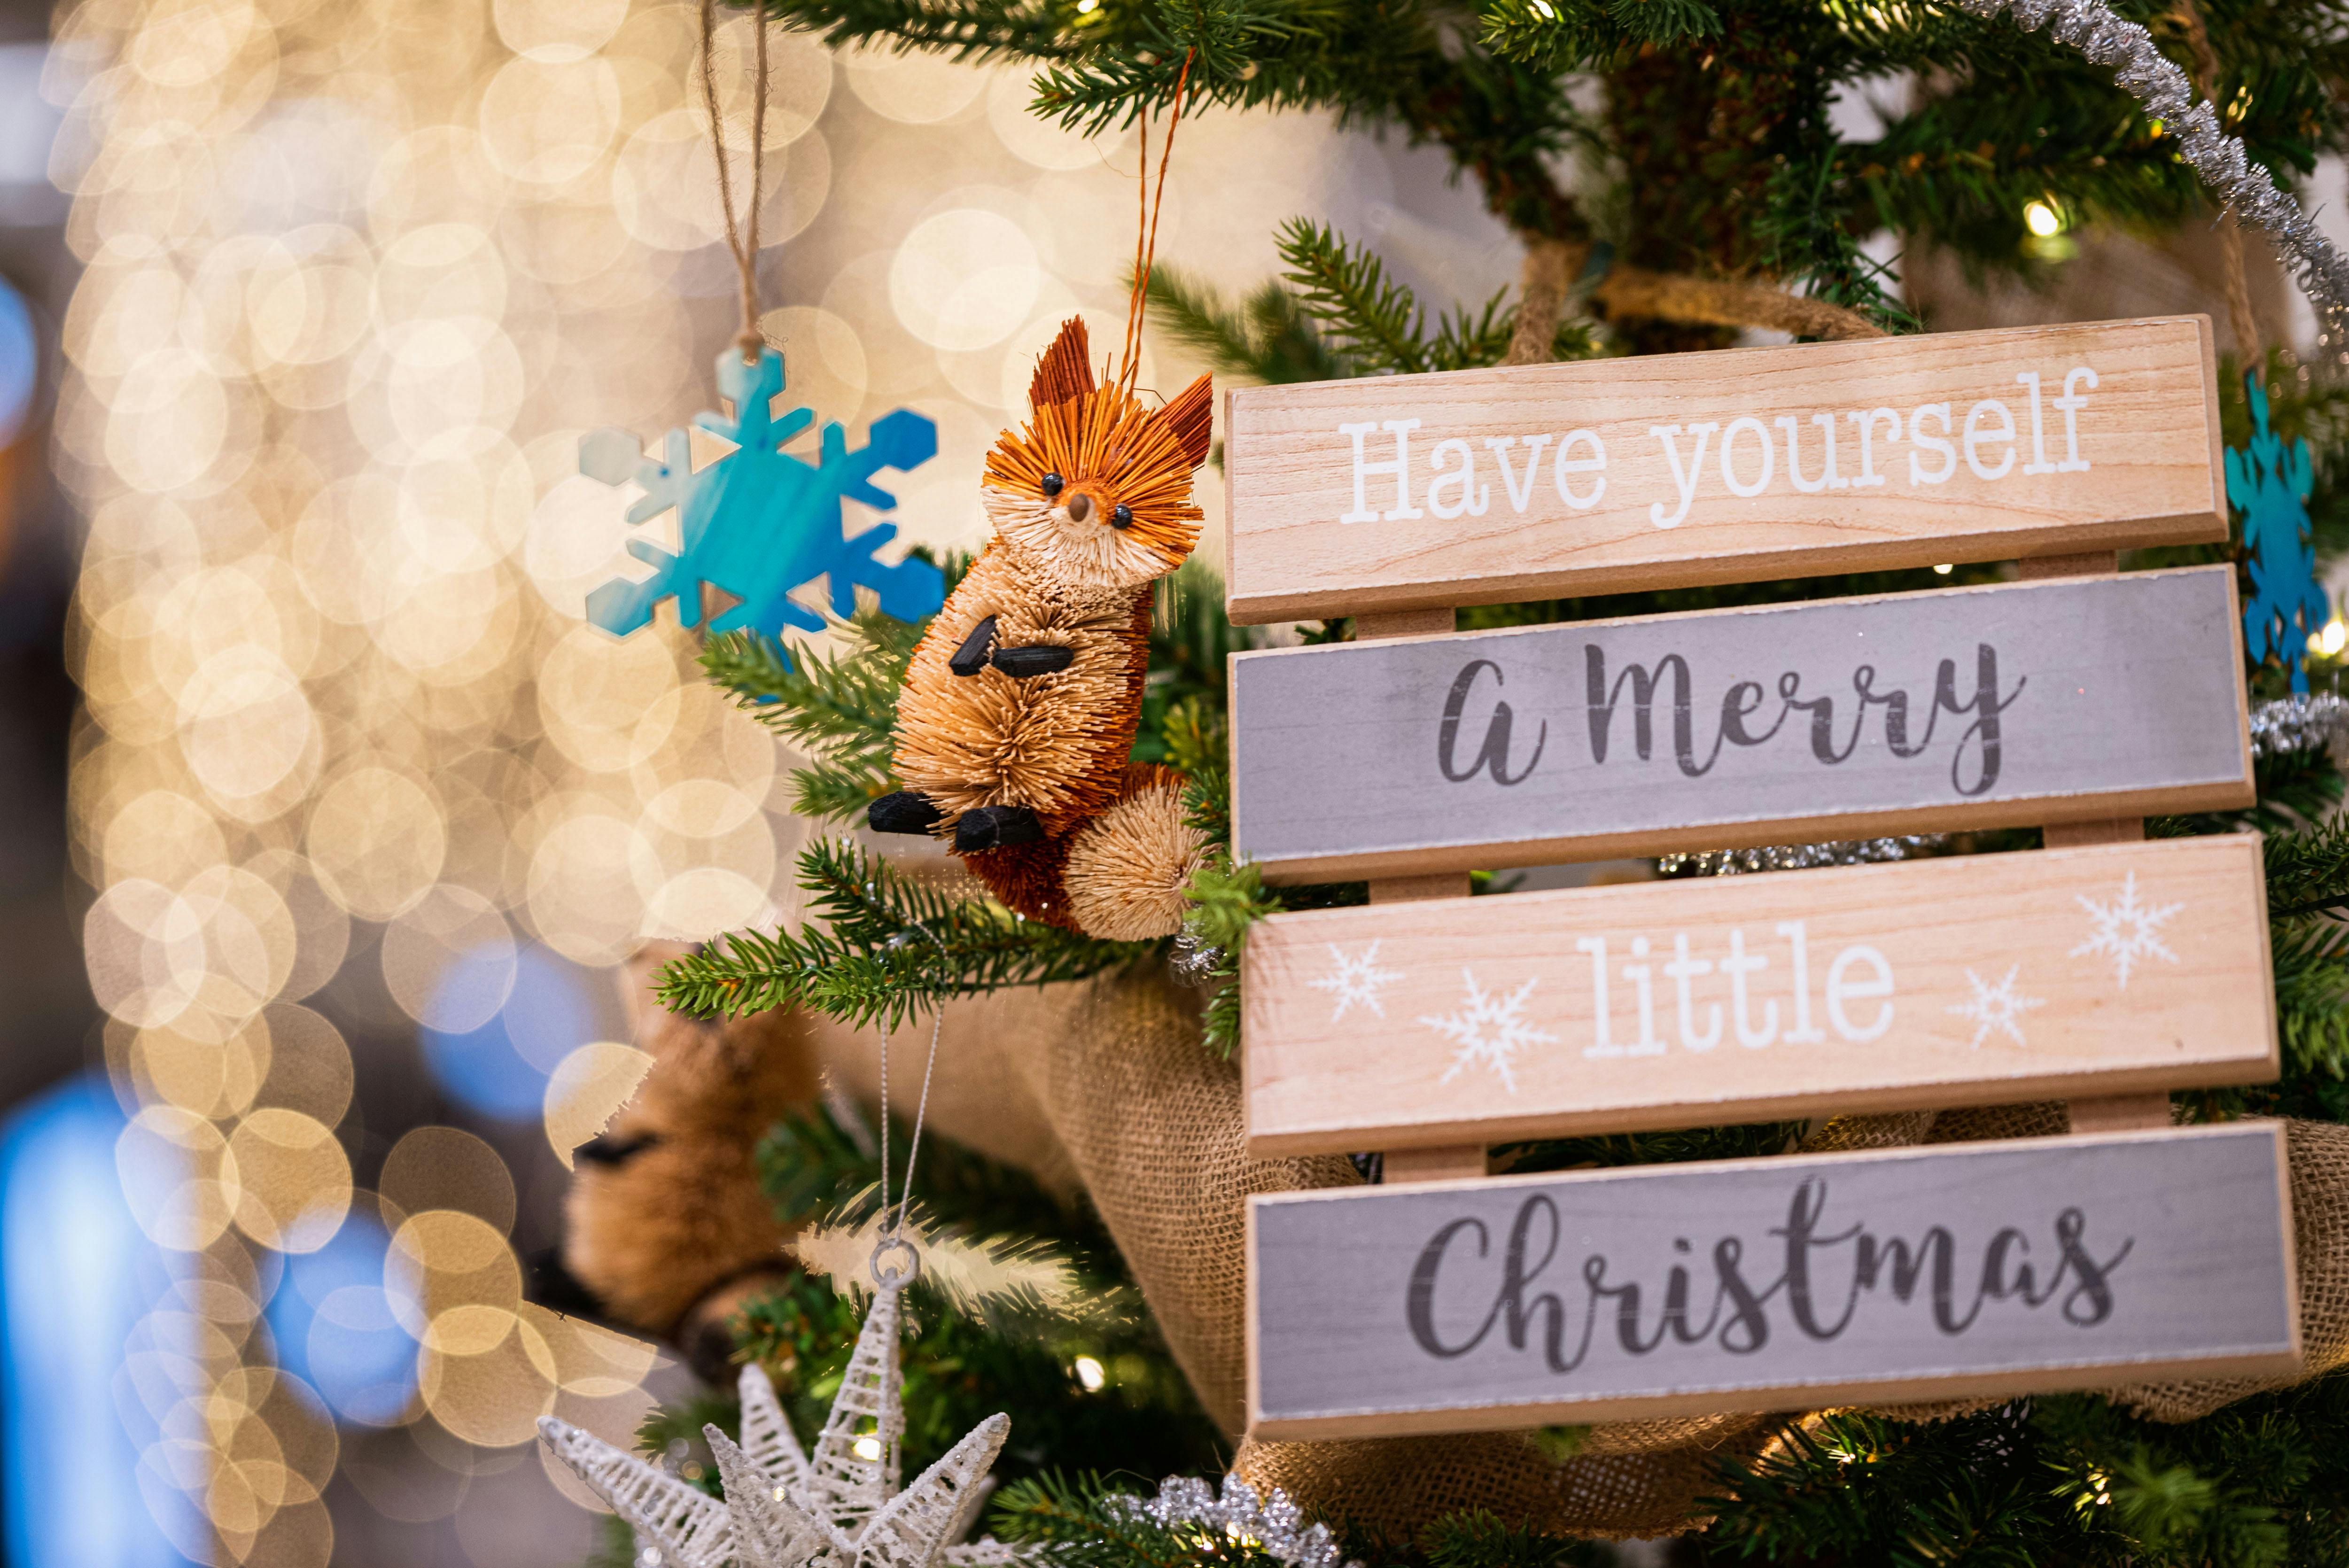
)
(2271, 482)
(758, 523)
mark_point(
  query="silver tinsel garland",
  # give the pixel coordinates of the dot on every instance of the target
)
(1276, 1522)
(2292, 724)
(1193, 961)
(2168, 94)
(1800, 857)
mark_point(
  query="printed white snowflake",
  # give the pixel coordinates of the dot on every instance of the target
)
(1999, 1007)
(1357, 979)
(2126, 931)
(1491, 1030)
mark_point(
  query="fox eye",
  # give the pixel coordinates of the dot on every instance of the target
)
(1053, 484)
(1120, 516)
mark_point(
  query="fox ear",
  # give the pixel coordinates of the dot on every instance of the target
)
(1066, 370)
(1189, 417)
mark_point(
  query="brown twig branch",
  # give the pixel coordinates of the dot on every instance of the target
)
(1550, 266)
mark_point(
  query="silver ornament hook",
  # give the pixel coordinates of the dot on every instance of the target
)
(894, 1278)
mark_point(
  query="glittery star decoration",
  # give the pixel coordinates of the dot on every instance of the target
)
(755, 522)
(2270, 483)
(1996, 1009)
(1354, 980)
(836, 1507)
(1491, 1031)
(2125, 931)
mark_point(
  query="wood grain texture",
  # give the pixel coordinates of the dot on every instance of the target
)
(1769, 1284)
(2120, 1112)
(1974, 980)
(1587, 494)
(2024, 703)
(1407, 1165)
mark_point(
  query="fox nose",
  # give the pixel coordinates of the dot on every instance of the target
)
(1081, 506)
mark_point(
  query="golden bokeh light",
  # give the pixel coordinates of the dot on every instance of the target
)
(492, 1381)
(352, 766)
(447, 1168)
(293, 1179)
(442, 1260)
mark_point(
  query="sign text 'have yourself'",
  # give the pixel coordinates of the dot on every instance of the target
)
(1479, 486)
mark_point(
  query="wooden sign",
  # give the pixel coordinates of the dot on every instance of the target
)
(1480, 487)
(1981, 980)
(1771, 1284)
(2068, 699)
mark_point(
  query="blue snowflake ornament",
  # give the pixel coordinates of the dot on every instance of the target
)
(758, 523)
(2270, 483)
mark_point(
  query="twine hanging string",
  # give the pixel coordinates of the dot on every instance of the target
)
(749, 340)
(1150, 202)
(893, 1222)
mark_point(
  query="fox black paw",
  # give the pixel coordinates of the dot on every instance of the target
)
(971, 657)
(1035, 659)
(903, 812)
(994, 827)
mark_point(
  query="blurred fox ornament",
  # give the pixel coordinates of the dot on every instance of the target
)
(1017, 721)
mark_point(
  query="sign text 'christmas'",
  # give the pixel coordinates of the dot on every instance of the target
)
(1766, 1284)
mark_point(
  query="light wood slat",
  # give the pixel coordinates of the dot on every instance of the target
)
(1969, 980)
(2134, 461)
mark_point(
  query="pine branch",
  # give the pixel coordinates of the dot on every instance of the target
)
(1210, 49)
(1558, 36)
(2311, 961)
(1479, 1538)
(2308, 872)
(1466, 342)
(1225, 901)
(1191, 641)
(1807, 240)
(981, 31)
(810, 1165)
(1267, 339)
(839, 709)
(1373, 321)
(879, 945)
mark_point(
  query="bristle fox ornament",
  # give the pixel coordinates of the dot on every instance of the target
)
(1017, 715)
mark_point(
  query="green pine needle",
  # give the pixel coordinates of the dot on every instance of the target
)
(879, 945)
(839, 708)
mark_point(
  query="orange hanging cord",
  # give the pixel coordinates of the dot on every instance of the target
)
(1151, 202)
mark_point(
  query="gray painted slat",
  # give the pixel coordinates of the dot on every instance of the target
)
(1388, 1309)
(2020, 703)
